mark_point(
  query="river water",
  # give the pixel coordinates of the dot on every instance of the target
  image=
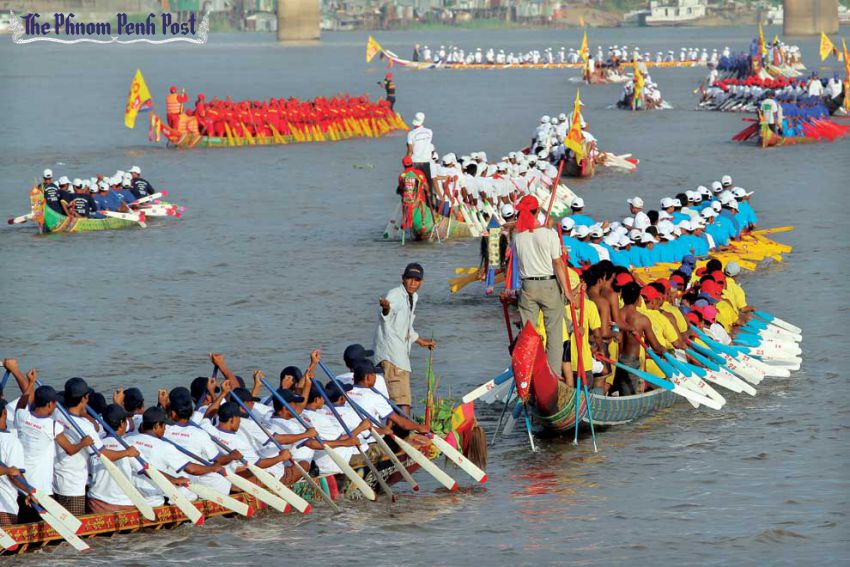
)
(279, 251)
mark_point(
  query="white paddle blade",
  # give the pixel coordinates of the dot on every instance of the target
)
(58, 511)
(174, 496)
(786, 325)
(222, 500)
(694, 397)
(65, 531)
(679, 383)
(128, 488)
(426, 464)
(478, 392)
(352, 475)
(722, 380)
(7, 541)
(745, 371)
(697, 384)
(457, 458)
(281, 489)
(258, 492)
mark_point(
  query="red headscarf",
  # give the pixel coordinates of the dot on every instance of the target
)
(527, 209)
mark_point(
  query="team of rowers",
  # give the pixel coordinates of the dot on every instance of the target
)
(690, 224)
(641, 93)
(777, 54)
(190, 434)
(745, 95)
(624, 316)
(89, 197)
(615, 54)
(338, 116)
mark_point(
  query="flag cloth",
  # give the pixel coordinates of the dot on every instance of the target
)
(762, 46)
(575, 140)
(372, 48)
(639, 82)
(584, 52)
(846, 64)
(826, 46)
(139, 100)
(463, 417)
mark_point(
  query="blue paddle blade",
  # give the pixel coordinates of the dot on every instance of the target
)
(517, 410)
(763, 315)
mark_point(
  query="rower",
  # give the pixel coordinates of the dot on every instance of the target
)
(105, 496)
(626, 383)
(53, 195)
(162, 456)
(289, 432)
(139, 187)
(39, 434)
(12, 456)
(578, 216)
(641, 220)
(364, 395)
(420, 142)
(351, 356)
(395, 335)
(389, 86)
(331, 433)
(196, 440)
(81, 204)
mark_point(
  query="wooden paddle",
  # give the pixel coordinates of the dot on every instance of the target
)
(59, 526)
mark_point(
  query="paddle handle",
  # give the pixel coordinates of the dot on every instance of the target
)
(73, 423)
(268, 433)
(360, 411)
(201, 398)
(189, 453)
(5, 379)
(655, 380)
(218, 442)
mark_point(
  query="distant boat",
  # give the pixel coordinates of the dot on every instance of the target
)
(674, 13)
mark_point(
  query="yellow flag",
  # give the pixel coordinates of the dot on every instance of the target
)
(139, 100)
(372, 48)
(575, 140)
(826, 46)
(584, 52)
(846, 66)
(639, 81)
(762, 46)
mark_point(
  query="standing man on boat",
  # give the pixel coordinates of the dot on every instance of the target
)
(420, 143)
(174, 106)
(544, 278)
(389, 86)
(395, 335)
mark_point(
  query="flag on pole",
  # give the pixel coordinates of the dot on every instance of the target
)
(846, 75)
(762, 45)
(372, 48)
(826, 46)
(574, 139)
(139, 100)
(463, 417)
(584, 52)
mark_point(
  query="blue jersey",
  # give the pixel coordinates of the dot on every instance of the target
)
(99, 201)
(582, 220)
(114, 199)
(728, 225)
(679, 216)
(128, 196)
(732, 218)
(718, 233)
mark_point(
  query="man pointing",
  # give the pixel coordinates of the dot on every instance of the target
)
(395, 335)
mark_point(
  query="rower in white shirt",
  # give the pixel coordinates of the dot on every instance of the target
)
(105, 495)
(420, 144)
(352, 355)
(641, 220)
(12, 457)
(364, 394)
(330, 431)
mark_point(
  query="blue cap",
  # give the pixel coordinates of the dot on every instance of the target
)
(334, 392)
(362, 368)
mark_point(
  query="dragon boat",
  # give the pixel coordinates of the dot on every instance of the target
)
(39, 535)
(49, 221)
(553, 403)
(815, 130)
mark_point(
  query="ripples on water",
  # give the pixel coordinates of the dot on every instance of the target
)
(279, 251)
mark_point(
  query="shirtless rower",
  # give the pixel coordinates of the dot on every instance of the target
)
(626, 383)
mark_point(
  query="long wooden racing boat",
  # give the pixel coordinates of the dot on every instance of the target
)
(38, 535)
(49, 220)
(552, 403)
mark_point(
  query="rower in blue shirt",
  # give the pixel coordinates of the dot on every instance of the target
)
(578, 216)
(567, 226)
(717, 230)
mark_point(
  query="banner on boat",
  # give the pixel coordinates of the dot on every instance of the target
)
(372, 49)
(139, 100)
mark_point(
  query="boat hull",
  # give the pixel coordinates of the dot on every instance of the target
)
(49, 220)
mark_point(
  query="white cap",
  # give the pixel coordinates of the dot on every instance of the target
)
(636, 202)
(419, 119)
(716, 206)
(562, 117)
(716, 186)
(482, 156)
(64, 180)
(578, 203)
(127, 178)
(77, 182)
(126, 181)
(740, 192)
(625, 241)
(507, 211)
(501, 166)
(449, 158)
(703, 190)
(120, 173)
(103, 186)
(667, 202)
(511, 155)
(666, 226)
(582, 231)
(48, 173)
(677, 203)
(612, 240)
(709, 213)
(629, 221)
(596, 231)
(86, 183)
(684, 225)
(135, 169)
(522, 169)
(732, 204)
(542, 154)
(726, 180)
(567, 224)
(725, 197)
(635, 235)
(115, 180)
(664, 215)
(531, 158)
(615, 226)
(545, 119)
(541, 165)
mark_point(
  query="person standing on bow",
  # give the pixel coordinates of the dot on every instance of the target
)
(389, 86)
(544, 278)
(395, 335)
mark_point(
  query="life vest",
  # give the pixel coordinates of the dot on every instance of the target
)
(183, 124)
(192, 125)
(172, 104)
